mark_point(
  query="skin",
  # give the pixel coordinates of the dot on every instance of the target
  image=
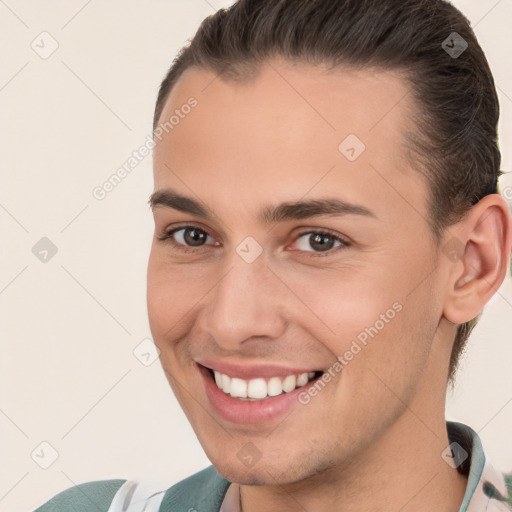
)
(372, 438)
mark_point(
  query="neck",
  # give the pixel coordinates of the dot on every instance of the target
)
(404, 471)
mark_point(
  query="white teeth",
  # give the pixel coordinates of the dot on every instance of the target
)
(275, 387)
(302, 379)
(238, 388)
(259, 388)
(289, 383)
(226, 383)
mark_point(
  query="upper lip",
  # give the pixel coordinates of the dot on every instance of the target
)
(253, 371)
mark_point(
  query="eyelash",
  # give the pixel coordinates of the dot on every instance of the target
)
(168, 237)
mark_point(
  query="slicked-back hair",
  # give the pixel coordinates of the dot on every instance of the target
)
(454, 145)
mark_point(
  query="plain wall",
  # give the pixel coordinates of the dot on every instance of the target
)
(69, 326)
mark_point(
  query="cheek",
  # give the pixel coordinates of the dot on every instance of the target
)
(370, 318)
(157, 297)
(164, 314)
(345, 305)
(395, 354)
(172, 293)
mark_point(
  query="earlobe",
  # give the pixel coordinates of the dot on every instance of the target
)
(484, 236)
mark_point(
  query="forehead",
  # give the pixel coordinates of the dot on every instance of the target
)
(292, 127)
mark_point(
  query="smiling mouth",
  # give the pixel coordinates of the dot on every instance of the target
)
(261, 388)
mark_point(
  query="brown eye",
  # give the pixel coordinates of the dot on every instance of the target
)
(319, 242)
(186, 238)
(193, 236)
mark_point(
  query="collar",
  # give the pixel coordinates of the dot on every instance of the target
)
(487, 489)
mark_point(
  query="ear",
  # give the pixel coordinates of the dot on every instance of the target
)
(478, 252)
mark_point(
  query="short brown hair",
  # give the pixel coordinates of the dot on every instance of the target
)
(455, 144)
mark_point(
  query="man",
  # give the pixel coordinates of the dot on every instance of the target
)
(327, 231)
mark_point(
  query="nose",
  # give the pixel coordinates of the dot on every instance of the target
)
(248, 302)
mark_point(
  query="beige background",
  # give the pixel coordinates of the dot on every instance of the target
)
(69, 327)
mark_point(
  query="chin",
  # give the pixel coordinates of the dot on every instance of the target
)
(266, 471)
(251, 478)
(254, 476)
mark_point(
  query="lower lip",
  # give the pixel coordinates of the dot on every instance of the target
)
(246, 412)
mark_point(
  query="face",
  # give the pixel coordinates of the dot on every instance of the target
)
(295, 267)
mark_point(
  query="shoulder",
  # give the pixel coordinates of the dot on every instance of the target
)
(86, 497)
(202, 491)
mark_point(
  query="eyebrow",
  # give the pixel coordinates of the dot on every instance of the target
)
(295, 210)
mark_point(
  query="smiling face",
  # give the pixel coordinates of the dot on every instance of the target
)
(285, 252)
